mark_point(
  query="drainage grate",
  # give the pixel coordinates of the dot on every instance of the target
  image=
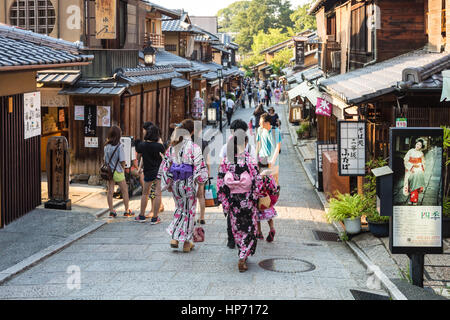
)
(326, 236)
(287, 265)
(362, 295)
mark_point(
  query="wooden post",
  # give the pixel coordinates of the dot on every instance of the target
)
(58, 162)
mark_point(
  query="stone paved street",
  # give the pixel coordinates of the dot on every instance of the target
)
(129, 260)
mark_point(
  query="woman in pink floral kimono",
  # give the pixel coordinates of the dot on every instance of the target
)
(182, 170)
(239, 188)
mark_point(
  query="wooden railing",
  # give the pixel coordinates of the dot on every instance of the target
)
(158, 40)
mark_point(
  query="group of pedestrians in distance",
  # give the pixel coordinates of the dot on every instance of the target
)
(264, 92)
(247, 180)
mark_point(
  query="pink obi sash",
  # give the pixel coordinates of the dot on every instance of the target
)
(243, 185)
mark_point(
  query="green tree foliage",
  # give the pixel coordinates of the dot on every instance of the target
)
(303, 21)
(281, 60)
(270, 38)
(248, 19)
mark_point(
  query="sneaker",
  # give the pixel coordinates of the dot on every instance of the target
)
(112, 214)
(155, 220)
(128, 214)
(140, 218)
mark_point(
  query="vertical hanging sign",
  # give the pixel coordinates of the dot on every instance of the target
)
(105, 19)
(90, 121)
(352, 148)
(32, 114)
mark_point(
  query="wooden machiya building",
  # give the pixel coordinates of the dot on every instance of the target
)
(24, 54)
(116, 89)
(387, 69)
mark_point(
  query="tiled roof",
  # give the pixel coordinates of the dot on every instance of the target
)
(25, 48)
(58, 76)
(96, 88)
(135, 76)
(172, 13)
(179, 83)
(220, 48)
(176, 25)
(381, 78)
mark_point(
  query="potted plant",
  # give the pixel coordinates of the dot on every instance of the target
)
(446, 219)
(348, 209)
(305, 127)
(300, 132)
(446, 213)
(378, 225)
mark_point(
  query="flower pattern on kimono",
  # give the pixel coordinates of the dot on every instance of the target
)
(241, 208)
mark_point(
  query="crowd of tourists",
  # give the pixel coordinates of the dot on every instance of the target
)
(247, 181)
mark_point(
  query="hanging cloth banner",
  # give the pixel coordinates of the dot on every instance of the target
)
(323, 107)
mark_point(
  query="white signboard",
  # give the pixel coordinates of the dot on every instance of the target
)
(417, 226)
(32, 114)
(352, 148)
(130, 152)
(91, 142)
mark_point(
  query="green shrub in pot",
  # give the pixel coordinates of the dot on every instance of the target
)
(346, 206)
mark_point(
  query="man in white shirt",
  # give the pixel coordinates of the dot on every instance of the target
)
(229, 110)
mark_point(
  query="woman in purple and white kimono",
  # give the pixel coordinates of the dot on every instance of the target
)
(239, 188)
(182, 170)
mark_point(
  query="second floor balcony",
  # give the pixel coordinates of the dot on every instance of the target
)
(330, 57)
(158, 40)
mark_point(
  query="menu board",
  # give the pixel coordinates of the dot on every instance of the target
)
(352, 148)
(417, 226)
(32, 114)
(320, 148)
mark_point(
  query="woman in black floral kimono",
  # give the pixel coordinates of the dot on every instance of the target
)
(239, 188)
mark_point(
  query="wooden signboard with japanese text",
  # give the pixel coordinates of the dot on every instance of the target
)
(105, 19)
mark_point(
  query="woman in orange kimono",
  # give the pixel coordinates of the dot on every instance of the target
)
(414, 173)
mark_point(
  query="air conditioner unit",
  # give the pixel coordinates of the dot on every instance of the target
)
(336, 60)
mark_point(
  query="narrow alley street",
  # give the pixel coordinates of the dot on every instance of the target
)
(129, 260)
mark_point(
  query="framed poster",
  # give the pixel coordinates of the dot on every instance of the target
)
(90, 121)
(352, 148)
(103, 116)
(416, 158)
(79, 113)
(32, 114)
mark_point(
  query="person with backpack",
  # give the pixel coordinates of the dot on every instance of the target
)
(150, 149)
(114, 170)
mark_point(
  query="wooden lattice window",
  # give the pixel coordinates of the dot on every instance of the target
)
(36, 15)
(170, 47)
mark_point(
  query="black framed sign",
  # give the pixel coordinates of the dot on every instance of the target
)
(322, 146)
(416, 158)
(352, 148)
(90, 121)
(299, 53)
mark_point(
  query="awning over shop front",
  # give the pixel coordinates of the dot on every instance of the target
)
(179, 83)
(305, 90)
(95, 88)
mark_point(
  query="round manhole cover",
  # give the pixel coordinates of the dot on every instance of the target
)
(287, 265)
